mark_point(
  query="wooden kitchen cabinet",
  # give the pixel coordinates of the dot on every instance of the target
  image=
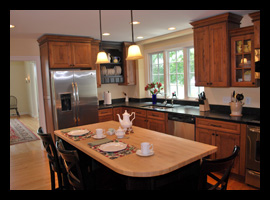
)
(242, 57)
(256, 21)
(156, 121)
(70, 55)
(68, 51)
(105, 114)
(129, 67)
(212, 52)
(118, 110)
(140, 118)
(224, 135)
(110, 72)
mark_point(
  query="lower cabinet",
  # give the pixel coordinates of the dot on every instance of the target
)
(105, 115)
(222, 134)
(152, 120)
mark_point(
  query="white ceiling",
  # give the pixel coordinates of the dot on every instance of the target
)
(34, 23)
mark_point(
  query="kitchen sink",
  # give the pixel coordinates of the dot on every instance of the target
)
(160, 107)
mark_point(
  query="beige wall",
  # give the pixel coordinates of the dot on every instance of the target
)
(18, 86)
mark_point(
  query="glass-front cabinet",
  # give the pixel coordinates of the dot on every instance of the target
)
(242, 61)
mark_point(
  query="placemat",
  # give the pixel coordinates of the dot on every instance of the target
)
(76, 138)
(113, 155)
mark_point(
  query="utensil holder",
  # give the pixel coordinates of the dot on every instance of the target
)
(204, 105)
(236, 108)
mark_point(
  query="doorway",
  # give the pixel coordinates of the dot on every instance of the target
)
(32, 98)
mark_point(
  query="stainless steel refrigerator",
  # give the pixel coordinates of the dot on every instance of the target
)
(75, 100)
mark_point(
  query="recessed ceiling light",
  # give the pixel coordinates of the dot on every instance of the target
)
(12, 26)
(106, 34)
(135, 22)
(171, 28)
(140, 37)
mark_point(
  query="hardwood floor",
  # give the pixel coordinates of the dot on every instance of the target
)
(29, 166)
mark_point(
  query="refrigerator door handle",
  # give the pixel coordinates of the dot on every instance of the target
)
(73, 91)
(77, 92)
(75, 100)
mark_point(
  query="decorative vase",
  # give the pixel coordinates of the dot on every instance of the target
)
(154, 98)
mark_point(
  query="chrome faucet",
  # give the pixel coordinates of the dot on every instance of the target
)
(165, 101)
(173, 95)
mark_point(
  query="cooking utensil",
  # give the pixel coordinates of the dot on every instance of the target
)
(239, 97)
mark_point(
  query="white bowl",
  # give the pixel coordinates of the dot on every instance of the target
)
(119, 134)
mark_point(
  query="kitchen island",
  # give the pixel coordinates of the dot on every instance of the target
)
(173, 156)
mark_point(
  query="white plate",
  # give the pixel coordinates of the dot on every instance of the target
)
(96, 137)
(139, 153)
(113, 146)
(78, 132)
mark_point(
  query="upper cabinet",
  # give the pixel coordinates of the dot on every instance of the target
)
(119, 70)
(256, 20)
(212, 49)
(68, 51)
(242, 57)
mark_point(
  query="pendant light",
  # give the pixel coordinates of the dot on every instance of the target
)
(102, 56)
(134, 52)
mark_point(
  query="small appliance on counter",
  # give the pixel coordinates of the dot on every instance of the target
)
(203, 102)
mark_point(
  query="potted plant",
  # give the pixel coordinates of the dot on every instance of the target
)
(155, 89)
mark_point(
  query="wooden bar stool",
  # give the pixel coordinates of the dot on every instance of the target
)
(55, 161)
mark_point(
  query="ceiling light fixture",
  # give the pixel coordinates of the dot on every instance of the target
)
(102, 56)
(12, 26)
(134, 52)
(171, 28)
(106, 34)
(135, 22)
(140, 37)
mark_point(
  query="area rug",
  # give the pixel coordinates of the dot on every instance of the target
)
(19, 133)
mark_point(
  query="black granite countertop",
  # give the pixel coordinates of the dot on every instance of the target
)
(224, 115)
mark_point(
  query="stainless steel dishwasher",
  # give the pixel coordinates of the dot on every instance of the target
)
(181, 125)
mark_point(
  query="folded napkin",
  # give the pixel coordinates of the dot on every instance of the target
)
(99, 142)
(69, 129)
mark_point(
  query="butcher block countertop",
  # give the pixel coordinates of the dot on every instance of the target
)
(170, 152)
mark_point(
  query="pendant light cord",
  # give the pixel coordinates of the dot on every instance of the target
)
(100, 28)
(132, 26)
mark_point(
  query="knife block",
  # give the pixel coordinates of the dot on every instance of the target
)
(204, 106)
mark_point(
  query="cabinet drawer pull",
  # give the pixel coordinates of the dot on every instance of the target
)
(215, 125)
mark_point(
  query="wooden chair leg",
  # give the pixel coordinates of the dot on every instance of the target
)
(52, 178)
(17, 112)
(60, 182)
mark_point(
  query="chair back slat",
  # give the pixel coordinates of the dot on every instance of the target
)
(72, 165)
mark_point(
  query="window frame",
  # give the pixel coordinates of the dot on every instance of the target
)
(165, 50)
